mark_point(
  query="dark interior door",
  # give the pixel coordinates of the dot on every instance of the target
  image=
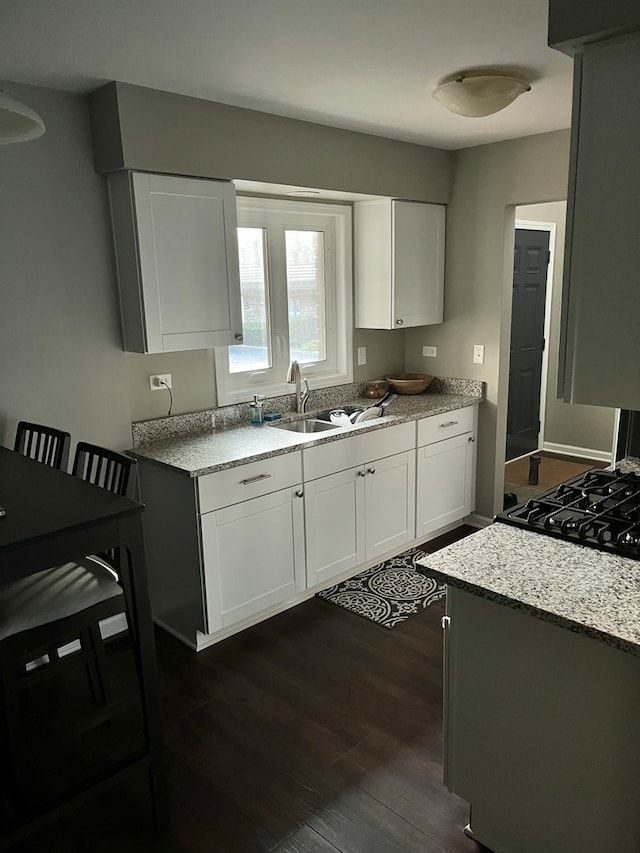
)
(531, 258)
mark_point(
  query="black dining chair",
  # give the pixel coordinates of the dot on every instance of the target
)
(43, 443)
(43, 612)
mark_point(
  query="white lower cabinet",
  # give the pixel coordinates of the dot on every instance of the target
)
(359, 514)
(229, 547)
(446, 475)
(253, 556)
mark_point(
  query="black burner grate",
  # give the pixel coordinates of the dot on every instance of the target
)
(600, 509)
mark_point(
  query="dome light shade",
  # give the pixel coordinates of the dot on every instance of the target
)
(18, 123)
(477, 94)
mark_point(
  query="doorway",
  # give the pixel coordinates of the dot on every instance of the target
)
(531, 263)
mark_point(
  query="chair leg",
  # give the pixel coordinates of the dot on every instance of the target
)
(95, 662)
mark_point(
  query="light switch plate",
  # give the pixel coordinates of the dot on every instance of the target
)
(431, 352)
(362, 355)
(478, 354)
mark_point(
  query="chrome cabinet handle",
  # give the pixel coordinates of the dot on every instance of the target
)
(299, 493)
(448, 424)
(362, 473)
(371, 471)
(445, 622)
(472, 438)
(399, 322)
(254, 479)
(238, 337)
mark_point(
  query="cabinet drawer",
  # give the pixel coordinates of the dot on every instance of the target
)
(244, 482)
(353, 450)
(447, 425)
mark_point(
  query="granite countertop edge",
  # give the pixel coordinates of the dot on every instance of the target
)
(580, 589)
(561, 621)
(187, 455)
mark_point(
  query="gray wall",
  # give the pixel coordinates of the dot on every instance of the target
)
(60, 356)
(489, 181)
(140, 128)
(573, 425)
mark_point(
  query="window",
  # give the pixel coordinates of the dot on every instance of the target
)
(295, 280)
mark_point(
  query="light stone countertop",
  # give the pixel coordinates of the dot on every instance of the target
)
(211, 450)
(578, 588)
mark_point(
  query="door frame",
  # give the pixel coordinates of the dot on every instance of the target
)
(538, 225)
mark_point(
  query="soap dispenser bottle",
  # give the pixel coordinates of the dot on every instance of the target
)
(257, 409)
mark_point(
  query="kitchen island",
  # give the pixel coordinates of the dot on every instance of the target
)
(542, 691)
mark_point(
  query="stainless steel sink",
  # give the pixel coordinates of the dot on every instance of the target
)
(310, 425)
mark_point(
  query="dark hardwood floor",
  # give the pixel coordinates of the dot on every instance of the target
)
(316, 730)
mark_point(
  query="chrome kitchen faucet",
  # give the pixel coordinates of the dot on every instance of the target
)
(293, 377)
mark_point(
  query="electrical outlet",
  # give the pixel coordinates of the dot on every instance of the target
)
(362, 355)
(431, 352)
(160, 381)
(478, 354)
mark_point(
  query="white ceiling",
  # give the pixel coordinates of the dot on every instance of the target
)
(368, 65)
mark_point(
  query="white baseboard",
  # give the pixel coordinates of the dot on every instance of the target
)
(475, 520)
(570, 450)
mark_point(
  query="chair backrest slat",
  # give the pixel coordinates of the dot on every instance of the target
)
(105, 468)
(44, 444)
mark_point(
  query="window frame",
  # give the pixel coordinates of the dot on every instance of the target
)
(279, 215)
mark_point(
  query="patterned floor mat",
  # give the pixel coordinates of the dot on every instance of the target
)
(388, 593)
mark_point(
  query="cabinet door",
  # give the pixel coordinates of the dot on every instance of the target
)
(445, 477)
(334, 523)
(418, 263)
(399, 263)
(253, 556)
(390, 503)
(188, 255)
(601, 299)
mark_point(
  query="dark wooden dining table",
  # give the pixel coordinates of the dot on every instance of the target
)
(50, 518)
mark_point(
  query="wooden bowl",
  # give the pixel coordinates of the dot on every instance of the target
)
(409, 383)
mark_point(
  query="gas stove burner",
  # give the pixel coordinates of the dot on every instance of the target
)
(604, 490)
(606, 503)
(569, 520)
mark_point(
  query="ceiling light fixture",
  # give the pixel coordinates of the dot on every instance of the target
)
(480, 92)
(18, 123)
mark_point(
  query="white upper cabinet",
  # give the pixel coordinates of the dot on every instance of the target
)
(399, 263)
(177, 256)
(600, 344)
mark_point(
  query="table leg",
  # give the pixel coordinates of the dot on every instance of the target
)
(134, 579)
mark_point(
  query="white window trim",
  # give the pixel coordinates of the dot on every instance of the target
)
(229, 389)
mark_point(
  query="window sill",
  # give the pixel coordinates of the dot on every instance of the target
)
(279, 389)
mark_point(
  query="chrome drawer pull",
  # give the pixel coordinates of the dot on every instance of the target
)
(371, 470)
(254, 479)
(362, 473)
(448, 424)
